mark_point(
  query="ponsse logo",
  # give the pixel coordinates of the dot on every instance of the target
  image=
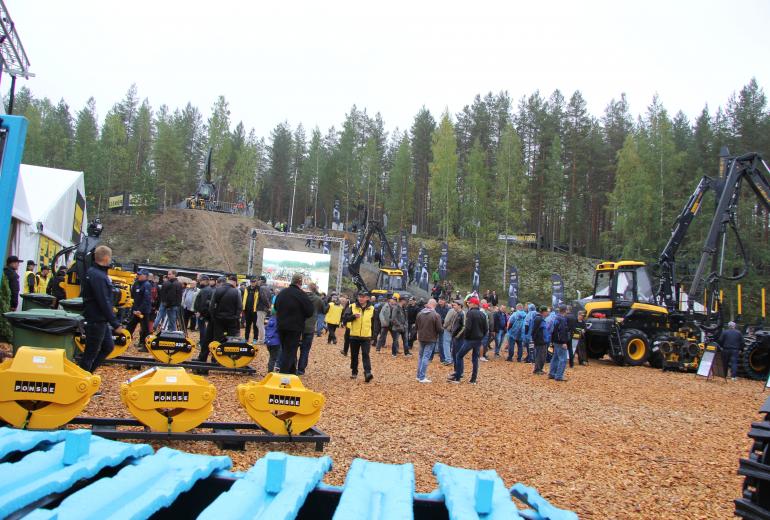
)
(285, 400)
(34, 387)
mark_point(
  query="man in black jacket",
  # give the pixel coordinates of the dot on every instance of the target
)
(731, 341)
(170, 296)
(292, 308)
(54, 286)
(201, 305)
(225, 309)
(10, 273)
(476, 327)
(101, 322)
(140, 310)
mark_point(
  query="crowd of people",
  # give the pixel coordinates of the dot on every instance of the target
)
(287, 320)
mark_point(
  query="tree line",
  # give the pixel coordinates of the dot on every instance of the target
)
(606, 185)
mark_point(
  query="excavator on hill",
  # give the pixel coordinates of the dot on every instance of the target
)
(390, 278)
(633, 322)
(205, 196)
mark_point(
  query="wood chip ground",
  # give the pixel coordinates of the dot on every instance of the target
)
(612, 442)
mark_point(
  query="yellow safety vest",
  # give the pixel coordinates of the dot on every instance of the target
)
(334, 315)
(25, 283)
(41, 283)
(256, 298)
(361, 327)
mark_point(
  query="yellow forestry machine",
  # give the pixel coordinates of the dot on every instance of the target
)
(389, 279)
(635, 323)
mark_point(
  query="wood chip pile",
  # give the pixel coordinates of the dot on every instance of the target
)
(612, 442)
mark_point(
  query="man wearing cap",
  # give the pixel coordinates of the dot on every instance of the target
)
(731, 341)
(29, 284)
(292, 307)
(10, 273)
(476, 327)
(250, 299)
(263, 307)
(140, 310)
(358, 317)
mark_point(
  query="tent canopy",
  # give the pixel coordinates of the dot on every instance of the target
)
(45, 208)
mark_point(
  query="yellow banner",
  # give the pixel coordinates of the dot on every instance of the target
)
(48, 248)
(116, 201)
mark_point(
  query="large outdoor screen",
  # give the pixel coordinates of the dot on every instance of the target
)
(278, 266)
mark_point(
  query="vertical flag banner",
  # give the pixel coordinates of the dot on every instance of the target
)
(424, 275)
(418, 266)
(404, 257)
(557, 291)
(476, 282)
(443, 261)
(336, 216)
(346, 258)
(513, 287)
(327, 245)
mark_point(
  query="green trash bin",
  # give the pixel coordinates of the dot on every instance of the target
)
(72, 305)
(45, 328)
(32, 301)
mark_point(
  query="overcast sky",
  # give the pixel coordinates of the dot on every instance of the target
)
(309, 62)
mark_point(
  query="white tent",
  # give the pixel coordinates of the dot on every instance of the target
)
(48, 212)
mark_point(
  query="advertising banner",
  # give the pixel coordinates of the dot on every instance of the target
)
(557, 291)
(476, 281)
(443, 261)
(513, 287)
(278, 266)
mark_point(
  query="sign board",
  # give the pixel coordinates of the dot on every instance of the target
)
(706, 362)
(48, 248)
(522, 238)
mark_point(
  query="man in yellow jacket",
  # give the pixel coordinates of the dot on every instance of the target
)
(359, 317)
(333, 318)
(42, 279)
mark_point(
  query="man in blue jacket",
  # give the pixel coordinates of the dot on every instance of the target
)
(561, 337)
(516, 333)
(140, 310)
(101, 322)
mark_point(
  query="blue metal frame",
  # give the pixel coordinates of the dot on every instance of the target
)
(16, 128)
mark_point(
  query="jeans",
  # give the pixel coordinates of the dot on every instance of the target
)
(729, 359)
(274, 352)
(559, 361)
(540, 353)
(172, 315)
(360, 345)
(290, 340)
(320, 323)
(457, 344)
(426, 351)
(485, 344)
(468, 346)
(99, 345)
(499, 335)
(304, 352)
(159, 317)
(446, 347)
(394, 338)
(261, 326)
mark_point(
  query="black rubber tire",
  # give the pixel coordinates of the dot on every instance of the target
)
(754, 361)
(656, 360)
(755, 499)
(631, 340)
(596, 346)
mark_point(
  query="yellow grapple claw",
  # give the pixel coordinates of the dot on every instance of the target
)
(170, 347)
(281, 404)
(122, 342)
(42, 389)
(168, 399)
(233, 353)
